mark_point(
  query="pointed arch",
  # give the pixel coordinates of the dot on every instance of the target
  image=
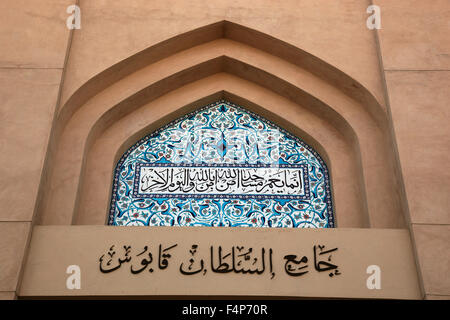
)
(221, 165)
(223, 30)
(336, 98)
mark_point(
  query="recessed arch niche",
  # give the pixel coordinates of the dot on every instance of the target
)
(290, 87)
(221, 165)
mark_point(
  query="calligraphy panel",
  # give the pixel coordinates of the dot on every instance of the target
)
(181, 181)
(221, 166)
(161, 261)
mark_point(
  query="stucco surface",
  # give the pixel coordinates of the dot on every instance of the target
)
(33, 41)
(419, 104)
(415, 34)
(433, 247)
(33, 34)
(314, 26)
(7, 295)
(415, 55)
(13, 238)
(28, 98)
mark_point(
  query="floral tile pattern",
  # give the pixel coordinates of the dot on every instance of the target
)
(221, 166)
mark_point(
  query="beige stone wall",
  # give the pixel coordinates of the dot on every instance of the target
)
(373, 103)
(33, 42)
(415, 53)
